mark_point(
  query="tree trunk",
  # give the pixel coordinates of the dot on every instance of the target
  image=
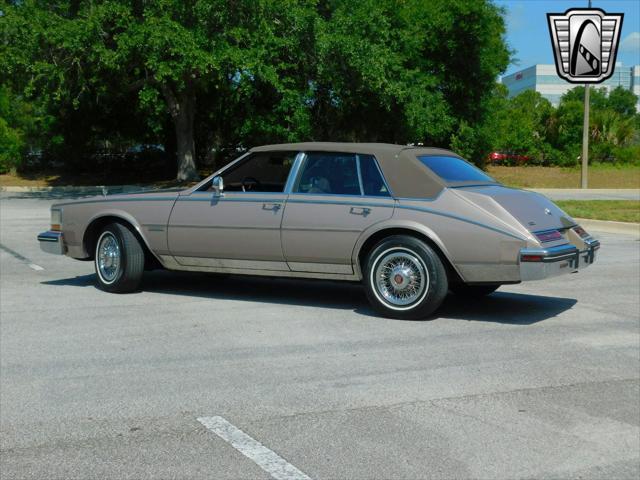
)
(186, 150)
(182, 109)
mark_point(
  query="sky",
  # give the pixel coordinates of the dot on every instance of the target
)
(528, 33)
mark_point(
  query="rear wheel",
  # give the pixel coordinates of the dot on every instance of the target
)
(405, 278)
(474, 291)
(119, 259)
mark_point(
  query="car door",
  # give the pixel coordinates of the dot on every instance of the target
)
(241, 228)
(334, 199)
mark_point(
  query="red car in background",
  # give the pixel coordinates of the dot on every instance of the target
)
(507, 158)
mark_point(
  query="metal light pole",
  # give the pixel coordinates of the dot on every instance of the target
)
(585, 136)
(585, 139)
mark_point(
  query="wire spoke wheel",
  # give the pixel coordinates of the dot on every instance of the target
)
(401, 278)
(405, 278)
(119, 259)
(109, 257)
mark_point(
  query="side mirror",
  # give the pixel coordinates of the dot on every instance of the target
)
(217, 184)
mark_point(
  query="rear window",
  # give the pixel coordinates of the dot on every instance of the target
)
(452, 169)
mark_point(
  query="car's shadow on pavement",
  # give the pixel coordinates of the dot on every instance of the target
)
(279, 290)
(500, 307)
(505, 307)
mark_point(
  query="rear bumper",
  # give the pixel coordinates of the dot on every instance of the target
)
(52, 242)
(541, 263)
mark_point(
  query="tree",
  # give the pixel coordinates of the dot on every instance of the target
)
(520, 124)
(48, 51)
(263, 96)
(11, 146)
(622, 101)
(21, 123)
(597, 96)
(225, 75)
(612, 125)
(476, 141)
(167, 51)
(405, 71)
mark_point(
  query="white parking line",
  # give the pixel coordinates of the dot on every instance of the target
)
(268, 460)
(21, 258)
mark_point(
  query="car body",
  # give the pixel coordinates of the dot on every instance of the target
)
(321, 210)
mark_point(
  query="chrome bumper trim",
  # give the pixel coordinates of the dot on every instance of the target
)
(557, 260)
(52, 242)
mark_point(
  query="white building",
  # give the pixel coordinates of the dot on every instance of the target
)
(635, 84)
(544, 79)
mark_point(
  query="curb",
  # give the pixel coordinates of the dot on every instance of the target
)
(588, 193)
(635, 191)
(88, 190)
(626, 228)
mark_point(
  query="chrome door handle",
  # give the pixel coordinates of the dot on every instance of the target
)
(360, 211)
(272, 206)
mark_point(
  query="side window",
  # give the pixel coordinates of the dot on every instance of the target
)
(262, 172)
(372, 182)
(326, 172)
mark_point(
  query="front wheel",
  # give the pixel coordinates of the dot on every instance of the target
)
(119, 259)
(405, 278)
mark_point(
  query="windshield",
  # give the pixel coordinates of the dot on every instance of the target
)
(453, 169)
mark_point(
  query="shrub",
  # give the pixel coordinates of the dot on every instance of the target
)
(11, 147)
(471, 143)
(627, 155)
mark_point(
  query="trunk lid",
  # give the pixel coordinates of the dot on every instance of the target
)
(532, 210)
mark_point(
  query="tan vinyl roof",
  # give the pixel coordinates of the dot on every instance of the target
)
(404, 174)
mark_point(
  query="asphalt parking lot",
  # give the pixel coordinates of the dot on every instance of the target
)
(540, 380)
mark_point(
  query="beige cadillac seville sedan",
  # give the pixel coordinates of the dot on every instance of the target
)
(411, 223)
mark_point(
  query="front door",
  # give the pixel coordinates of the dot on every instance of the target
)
(336, 197)
(241, 228)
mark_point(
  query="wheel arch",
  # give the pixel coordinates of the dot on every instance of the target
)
(99, 221)
(371, 237)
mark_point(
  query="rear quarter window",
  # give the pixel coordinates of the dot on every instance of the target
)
(372, 182)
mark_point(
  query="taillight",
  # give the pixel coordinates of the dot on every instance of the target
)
(531, 258)
(580, 231)
(549, 236)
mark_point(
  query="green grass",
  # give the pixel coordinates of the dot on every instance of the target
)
(616, 210)
(600, 176)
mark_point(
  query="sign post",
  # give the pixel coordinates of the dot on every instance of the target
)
(584, 180)
(585, 44)
(585, 139)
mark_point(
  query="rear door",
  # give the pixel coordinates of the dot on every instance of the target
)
(334, 199)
